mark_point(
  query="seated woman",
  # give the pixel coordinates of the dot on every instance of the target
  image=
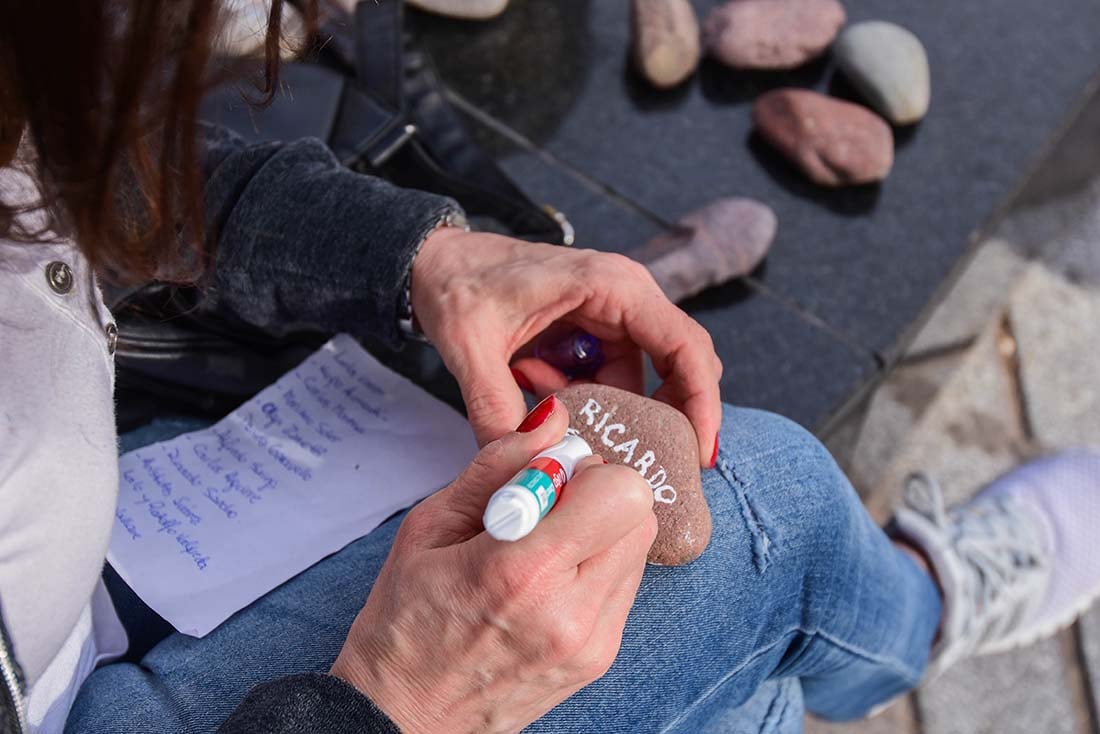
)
(426, 624)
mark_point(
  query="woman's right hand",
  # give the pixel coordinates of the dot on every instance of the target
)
(463, 633)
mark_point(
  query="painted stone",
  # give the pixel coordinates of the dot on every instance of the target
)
(889, 67)
(658, 441)
(771, 34)
(464, 9)
(723, 240)
(834, 142)
(666, 40)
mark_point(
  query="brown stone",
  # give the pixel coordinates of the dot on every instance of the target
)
(834, 142)
(666, 40)
(771, 34)
(723, 240)
(658, 441)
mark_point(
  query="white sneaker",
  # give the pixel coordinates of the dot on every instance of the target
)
(1017, 563)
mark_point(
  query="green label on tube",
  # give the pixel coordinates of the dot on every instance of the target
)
(539, 484)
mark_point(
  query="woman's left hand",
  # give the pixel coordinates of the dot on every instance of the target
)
(480, 298)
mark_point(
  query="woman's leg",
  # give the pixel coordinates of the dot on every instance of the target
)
(797, 583)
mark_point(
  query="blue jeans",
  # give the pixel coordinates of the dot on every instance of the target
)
(800, 601)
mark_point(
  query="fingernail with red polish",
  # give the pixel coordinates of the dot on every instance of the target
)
(538, 414)
(522, 381)
(603, 460)
(714, 456)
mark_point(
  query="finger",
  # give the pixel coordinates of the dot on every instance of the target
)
(603, 573)
(597, 508)
(618, 594)
(543, 378)
(587, 463)
(456, 511)
(607, 635)
(697, 407)
(681, 350)
(624, 368)
(690, 383)
(494, 402)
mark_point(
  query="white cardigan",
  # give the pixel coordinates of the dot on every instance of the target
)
(58, 466)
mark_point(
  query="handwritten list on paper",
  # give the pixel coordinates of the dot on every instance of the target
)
(210, 521)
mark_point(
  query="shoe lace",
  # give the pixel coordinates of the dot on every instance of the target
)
(1002, 550)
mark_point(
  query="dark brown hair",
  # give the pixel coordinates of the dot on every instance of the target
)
(107, 93)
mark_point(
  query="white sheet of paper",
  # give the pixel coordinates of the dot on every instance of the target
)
(210, 521)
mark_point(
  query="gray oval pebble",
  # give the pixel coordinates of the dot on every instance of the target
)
(889, 67)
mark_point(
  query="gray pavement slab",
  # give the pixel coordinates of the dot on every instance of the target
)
(1057, 324)
(966, 437)
(969, 435)
(897, 719)
(1019, 692)
(1090, 652)
(893, 412)
(980, 291)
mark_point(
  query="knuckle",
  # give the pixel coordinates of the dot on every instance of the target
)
(600, 665)
(507, 579)
(416, 527)
(596, 661)
(491, 456)
(566, 638)
(634, 268)
(484, 406)
(636, 494)
(614, 267)
(704, 338)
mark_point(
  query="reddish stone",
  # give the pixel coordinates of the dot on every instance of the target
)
(658, 441)
(834, 142)
(721, 241)
(771, 34)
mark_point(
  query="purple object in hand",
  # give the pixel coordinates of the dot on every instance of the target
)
(576, 353)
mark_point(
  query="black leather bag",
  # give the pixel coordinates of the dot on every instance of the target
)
(378, 103)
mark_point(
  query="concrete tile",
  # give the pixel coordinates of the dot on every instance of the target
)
(1019, 692)
(970, 434)
(981, 290)
(1075, 251)
(966, 437)
(898, 719)
(894, 410)
(1090, 650)
(1056, 325)
(1075, 161)
(1058, 228)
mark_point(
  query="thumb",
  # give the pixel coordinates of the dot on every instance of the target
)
(494, 402)
(457, 509)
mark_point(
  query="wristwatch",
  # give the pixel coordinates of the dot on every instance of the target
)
(406, 320)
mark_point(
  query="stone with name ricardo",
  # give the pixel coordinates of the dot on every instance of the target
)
(658, 441)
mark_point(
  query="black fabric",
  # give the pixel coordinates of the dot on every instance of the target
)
(302, 242)
(144, 627)
(310, 703)
(303, 247)
(377, 102)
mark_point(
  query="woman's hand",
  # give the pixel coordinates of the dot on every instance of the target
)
(481, 298)
(463, 633)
